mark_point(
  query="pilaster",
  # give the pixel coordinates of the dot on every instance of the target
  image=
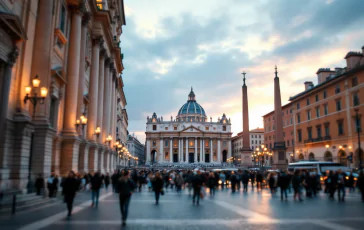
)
(93, 158)
(83, 157)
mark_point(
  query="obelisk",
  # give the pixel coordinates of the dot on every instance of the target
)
(246, 151)
(279, 149)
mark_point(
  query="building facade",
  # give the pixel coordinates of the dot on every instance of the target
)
(256, 140)
(136, 149)
(60, 67)
(189, 138)
(325, 120)
(288, 130)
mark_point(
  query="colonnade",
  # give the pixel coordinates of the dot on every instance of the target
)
(199, 147)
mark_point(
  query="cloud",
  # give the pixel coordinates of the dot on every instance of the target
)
(207, 44)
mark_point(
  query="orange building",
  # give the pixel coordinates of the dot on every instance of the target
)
(323, 121)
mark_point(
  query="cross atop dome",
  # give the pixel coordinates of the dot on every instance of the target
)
(191, 96)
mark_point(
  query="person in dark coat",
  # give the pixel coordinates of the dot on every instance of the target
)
(259, 181)
(360, 184)
(107, 180)
(55, 185)
(245, 180)
(283, 183)
(70, 187)
(39, 184)
(114, 181)
(296, 184)
(125, 188)
(50, 185)
(197, 182)
(212, 183)
(350, 182)
(331, 183)
(96, 183)
(233, 180)
(157, 184)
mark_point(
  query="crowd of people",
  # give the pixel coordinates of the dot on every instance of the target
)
(197, 182)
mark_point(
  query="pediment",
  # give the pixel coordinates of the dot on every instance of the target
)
(191, 129)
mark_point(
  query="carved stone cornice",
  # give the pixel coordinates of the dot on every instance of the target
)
(86, 19)
(12, 56)
(77, 7)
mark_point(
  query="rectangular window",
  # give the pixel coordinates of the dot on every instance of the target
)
(317, 111)
(327, 129)
(284, 134)
(224, 128)
(207, 128)
(354, 81)
(338, 105)
(309, 132)
(340, 127)
(154, 127)
(317, 97)
(326, 109)
(291, 120)
(62, 19)
(298, 105)
(299, 134)
(308, 101)
(166, 143)
(324, 94)
(308, 115)
(318, 130)
(175, 128)
(224, 143)
(252, 141)
(356, 100)
(166, 128)
(154, 143)
(337, 89)
(298, 118)
(292, 142)
(358, 125)
(192, 143)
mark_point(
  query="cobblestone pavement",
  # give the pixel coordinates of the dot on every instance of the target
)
(252, 210)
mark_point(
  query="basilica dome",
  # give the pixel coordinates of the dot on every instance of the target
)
(191, 107)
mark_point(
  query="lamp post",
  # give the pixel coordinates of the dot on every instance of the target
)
(262, 154)
(34, 99)
(357, 118)
(82, 121)
(108, 140)
(97, 132)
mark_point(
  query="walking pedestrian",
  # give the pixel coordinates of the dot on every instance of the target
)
(223, 179)
(245, 180)
(296, 184)
(96, 183)
(360, 184)
(114, 181)
(157, 186)
(332, 183)
(341, 182)
(39, 184)
(283, 182)
(107, 181)
(50, 185)
(233, 181)
(212, 184)
(197, 182)
(70, 187)
(55, 185)
(179, 183)
(125, 188)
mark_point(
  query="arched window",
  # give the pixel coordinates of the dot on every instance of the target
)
(328, 156)
(301, 157)
(311, 156)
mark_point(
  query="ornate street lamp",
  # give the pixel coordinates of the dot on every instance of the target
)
(97, 132)
(108, 139)
(35, 99)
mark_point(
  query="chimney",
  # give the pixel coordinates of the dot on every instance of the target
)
(353, 59)
(323, 74)
(308, 85)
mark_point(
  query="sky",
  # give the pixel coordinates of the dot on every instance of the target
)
(171, 45)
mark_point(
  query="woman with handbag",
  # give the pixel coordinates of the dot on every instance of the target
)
(158, 186)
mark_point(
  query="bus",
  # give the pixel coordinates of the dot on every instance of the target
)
(319, 167)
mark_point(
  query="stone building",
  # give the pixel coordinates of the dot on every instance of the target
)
(136, 149)
(321, 122)
(60, 74)
(256, 140)
(190, 137)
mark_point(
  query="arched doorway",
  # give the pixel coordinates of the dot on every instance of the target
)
(207, 156)
(166, 156)
(152, 156)
(175, 157)
(224, 156)
(342, 157)
(328, 156)
(301, 157)
(311, 156)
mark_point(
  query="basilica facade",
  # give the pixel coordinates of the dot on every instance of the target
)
(189, 138)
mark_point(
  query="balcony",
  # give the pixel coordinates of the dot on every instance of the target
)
(327, 138)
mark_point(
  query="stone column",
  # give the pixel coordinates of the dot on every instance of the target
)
(148, 152)
(81, 78)
(201, 149)
(83, 157)
(160, 150)
(100, 98)
(211, 151)
(106, 161)
(70, 146)
(41, 61)
(186, 149)
(93, 89)
(100, 160)
(107, 105)
(170, 148)
(92, 158)
(113, 108)
(219, 150)
(179, 150)
(229, 149)
(195, 155)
